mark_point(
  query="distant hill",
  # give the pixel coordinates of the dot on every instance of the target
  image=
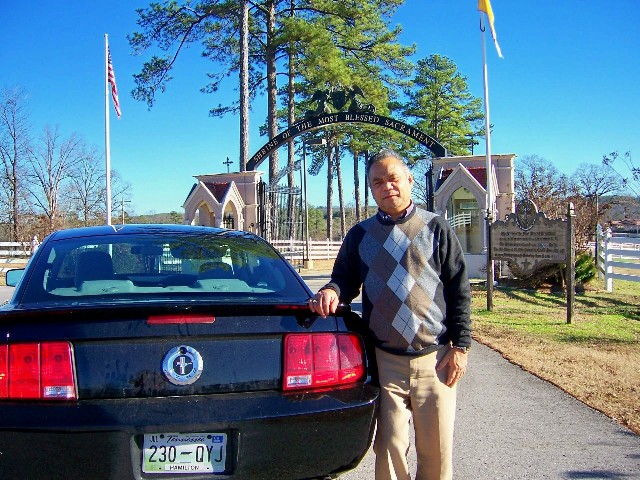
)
(170, 218)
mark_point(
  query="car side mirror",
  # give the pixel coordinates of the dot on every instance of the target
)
(13, 276)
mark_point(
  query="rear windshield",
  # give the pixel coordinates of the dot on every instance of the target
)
(148, 267)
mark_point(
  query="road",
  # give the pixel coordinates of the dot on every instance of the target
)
(511, 425)
(5, 293)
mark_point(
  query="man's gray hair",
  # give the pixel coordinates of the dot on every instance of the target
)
(386, 153)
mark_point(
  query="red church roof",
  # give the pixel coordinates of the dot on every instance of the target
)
(218, 189)
(479, 173)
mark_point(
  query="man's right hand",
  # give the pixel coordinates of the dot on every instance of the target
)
(324, 303)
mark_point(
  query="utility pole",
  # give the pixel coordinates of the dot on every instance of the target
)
(122, 206)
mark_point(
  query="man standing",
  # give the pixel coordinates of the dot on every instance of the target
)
(416, 301)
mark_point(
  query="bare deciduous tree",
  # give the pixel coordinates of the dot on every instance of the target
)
(86, 189)
(591, 180)
(630, 182)
(15, 150)
(51, 166)
(537, 179)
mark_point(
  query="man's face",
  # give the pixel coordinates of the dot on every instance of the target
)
(391, 186)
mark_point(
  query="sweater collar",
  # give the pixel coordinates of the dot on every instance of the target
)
(385, 217)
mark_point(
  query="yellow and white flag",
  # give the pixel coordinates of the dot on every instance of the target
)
(485, 6)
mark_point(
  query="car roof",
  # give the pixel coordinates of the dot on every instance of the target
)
(142, 229)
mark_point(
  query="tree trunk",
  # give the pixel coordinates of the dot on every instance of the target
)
(356, 185)
(244, 84)
(15, 205)
(272, 103)
(343, 220)
(366, 190)
(291, 118)
(272, 86)
(329, 193)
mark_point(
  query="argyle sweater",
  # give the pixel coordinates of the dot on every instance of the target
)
(416, 295)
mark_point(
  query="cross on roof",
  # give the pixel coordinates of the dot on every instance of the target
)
(227, 163)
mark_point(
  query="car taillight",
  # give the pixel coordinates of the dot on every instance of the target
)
(42, 371)
(322, 359)
(4, 377)
(24, 370)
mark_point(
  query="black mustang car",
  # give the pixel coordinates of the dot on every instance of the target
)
(176, 352)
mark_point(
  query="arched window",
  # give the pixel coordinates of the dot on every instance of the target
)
(228, 221)
(229, 217)
(463, 214)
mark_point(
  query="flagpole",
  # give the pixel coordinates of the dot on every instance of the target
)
(107, 152)
(487, 122)
(487, 127)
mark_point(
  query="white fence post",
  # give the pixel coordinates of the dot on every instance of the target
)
(608, 259)
(599, 246)
(617, 257)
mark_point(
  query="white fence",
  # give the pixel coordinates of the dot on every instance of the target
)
(13, 255)
(15, 249)
(616, 257)
(293, 250)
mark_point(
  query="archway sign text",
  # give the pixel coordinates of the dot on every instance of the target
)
(321, 120)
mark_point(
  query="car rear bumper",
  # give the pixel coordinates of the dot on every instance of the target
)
(270, 435)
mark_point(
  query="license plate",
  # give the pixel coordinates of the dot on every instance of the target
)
(184, 453)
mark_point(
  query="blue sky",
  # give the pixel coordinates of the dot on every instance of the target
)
(568, 88)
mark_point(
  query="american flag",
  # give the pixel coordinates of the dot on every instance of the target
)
(114, 90)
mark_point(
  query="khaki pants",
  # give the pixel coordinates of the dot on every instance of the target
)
(410, 386)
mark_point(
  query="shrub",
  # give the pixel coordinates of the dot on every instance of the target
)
(585, 268)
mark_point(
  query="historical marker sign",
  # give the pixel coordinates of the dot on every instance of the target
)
(529, 238)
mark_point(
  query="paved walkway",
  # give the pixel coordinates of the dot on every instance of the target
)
(511, 425)
(5, 293)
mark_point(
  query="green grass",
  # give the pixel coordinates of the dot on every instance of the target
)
(600, 317)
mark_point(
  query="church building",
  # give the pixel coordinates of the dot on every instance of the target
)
(230, 200)
(460, 195)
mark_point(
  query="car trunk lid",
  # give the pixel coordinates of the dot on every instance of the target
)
(175, 349)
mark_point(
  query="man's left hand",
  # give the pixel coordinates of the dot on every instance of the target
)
(456, 362)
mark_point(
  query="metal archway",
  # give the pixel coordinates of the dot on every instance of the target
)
(319, 121)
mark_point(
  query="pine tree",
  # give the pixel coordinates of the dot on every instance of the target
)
(440, 103)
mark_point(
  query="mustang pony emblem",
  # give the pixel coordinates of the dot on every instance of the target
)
(182, 365)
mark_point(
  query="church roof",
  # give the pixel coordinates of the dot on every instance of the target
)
(218, 189)
(479, 173)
